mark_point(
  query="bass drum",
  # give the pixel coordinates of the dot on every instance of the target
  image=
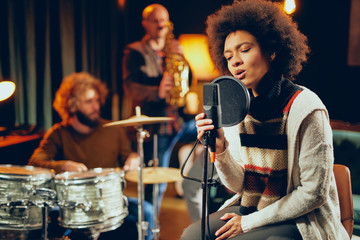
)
(20, 201)
(92, 199)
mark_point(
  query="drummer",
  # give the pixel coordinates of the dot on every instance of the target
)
(80, 142)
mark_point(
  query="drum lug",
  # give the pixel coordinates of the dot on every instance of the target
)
(100, 186)
(84, 206)
(44, 193)
(67, 204)
(5, 204)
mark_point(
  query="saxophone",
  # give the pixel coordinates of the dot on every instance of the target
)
(179, 67)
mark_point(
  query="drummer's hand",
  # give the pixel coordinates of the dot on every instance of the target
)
(205, 124)
(69, 166)
(132, 162)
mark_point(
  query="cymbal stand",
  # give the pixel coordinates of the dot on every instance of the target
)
(142, 225)
(156, 229)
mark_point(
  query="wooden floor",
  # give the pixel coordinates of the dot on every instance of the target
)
(173, 213)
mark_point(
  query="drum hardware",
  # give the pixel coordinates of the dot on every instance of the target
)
(156, 230)
(44, 204)
(12, 203)
(89, 201)
(93, 232)
(72, 205)
(143, 226)
(24, 197)
(25, 204)
(45, 194)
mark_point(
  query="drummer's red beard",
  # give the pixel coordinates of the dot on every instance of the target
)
(84, 119)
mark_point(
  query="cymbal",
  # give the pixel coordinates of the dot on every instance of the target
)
(140, 120)
(153, 175)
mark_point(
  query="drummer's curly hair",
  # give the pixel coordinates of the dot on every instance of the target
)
(71, 90)
(272, 27)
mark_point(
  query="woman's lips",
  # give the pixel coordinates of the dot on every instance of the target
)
(240, 74)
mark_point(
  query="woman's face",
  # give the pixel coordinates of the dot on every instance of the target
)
(245, 59)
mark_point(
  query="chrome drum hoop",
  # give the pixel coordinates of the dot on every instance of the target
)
(91, 199)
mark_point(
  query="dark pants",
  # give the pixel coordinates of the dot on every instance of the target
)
(283, 231)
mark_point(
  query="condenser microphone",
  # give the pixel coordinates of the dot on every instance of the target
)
(235, 100)
(212, 110)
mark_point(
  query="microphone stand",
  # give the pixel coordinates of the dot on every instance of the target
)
(204, 185)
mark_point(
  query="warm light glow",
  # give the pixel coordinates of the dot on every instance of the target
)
(289, 6)
(122, 4)
(7, 88)
(196, 52)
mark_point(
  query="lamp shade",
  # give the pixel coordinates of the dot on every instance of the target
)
(7, 89)
(196, 53)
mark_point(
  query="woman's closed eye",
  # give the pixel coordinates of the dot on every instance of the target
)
(228, 58)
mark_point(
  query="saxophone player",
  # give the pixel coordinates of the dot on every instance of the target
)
(147, 83)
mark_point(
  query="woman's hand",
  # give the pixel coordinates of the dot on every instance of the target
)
(231, 228)
(202, 125)
(205, 124)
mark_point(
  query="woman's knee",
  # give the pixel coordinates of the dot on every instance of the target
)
(191, 232)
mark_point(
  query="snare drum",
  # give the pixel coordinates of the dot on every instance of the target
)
(20, 203)
(92, 199)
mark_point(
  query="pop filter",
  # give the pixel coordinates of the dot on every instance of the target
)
(234, 98)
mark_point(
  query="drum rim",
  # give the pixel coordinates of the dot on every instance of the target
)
(94, 224)
(111, 174)
(46, 173)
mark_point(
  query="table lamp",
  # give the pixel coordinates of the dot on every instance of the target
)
(7, 88)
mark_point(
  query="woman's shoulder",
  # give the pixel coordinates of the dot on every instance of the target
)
(307, 100)
(306, 103)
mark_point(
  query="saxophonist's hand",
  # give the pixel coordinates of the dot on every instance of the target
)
(176, 47)
(166, 84)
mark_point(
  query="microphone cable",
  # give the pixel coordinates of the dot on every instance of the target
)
(195, 179)
(211, 182)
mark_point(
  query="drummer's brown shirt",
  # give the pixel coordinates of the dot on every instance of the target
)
(105, 147)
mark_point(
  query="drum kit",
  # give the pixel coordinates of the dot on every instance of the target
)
(91, 202)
